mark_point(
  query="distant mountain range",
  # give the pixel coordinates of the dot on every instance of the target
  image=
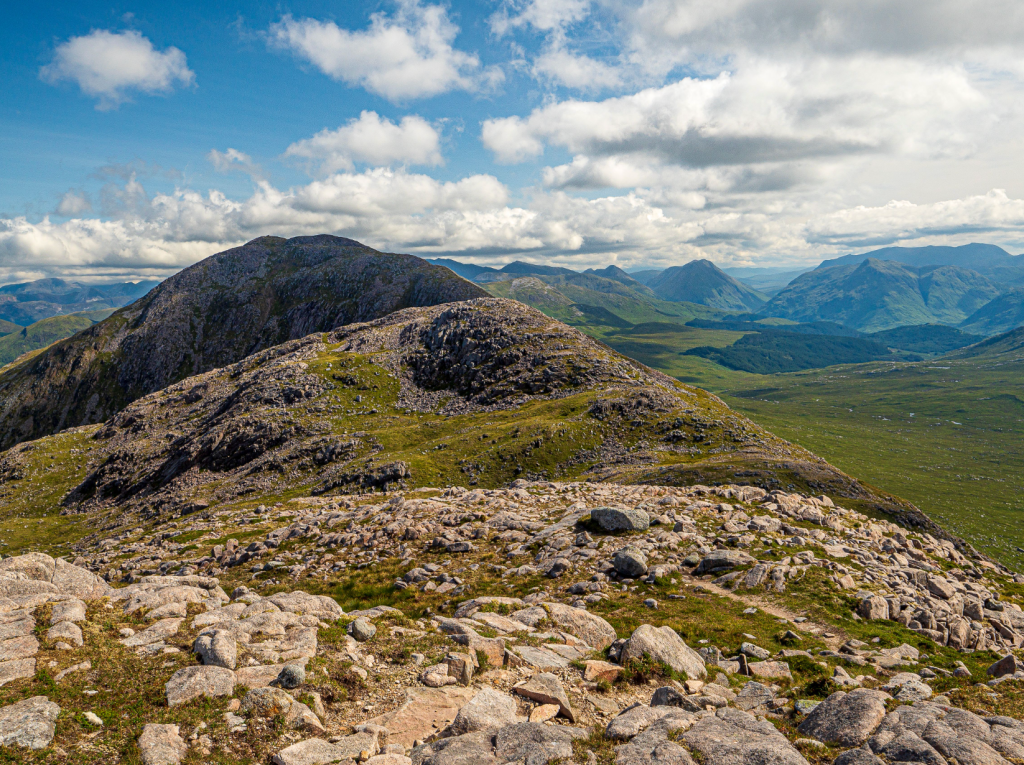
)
(704, 283)
(877, 294)
(28, 302)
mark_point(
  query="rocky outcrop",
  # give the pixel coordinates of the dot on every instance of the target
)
(212, 314)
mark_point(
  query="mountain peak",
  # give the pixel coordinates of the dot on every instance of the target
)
(701, 281)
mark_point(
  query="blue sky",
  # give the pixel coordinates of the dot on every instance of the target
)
(138, 139)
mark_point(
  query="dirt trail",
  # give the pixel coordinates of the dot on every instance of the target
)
(818, 629)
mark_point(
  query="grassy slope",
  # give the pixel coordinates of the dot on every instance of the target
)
(967, 476)
(47, 331)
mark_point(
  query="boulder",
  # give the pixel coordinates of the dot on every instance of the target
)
(72, 610)
(733, 737)
(535, 743)
(316, 751)
(845, 719)
(69, 632)
(424, 713)
(547, 689)
(470, 749)
(362, 629)
(595, 671)
(217, 649)
(588, 627)
(620, 519)
(721, 560)
(873, 607)
(663, 644)
(267, 702)
(192, 682)
(487, 709)
(940, 587)
(162, 745)
(29, 723)
(630, 562)
(1007, 665)
(299, 602)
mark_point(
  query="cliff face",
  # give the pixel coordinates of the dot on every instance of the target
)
(214, 313)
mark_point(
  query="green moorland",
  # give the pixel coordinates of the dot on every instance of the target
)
(946, 433)
(44, 332)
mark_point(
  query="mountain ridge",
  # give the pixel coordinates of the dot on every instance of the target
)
(213, 313)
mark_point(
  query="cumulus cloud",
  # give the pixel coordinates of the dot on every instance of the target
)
(404, 56)
(764, 112)
(543, 15)
(371, 140)
(111, 65)
(575, 70)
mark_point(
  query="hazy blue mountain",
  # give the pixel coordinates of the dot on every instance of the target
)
(987, 259)
(769, 281)
(615, 273)
(29, 302)
(704, 283)
(877, 294)
(646, 276)
(466, 270)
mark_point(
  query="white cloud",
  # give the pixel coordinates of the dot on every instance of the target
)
(233, 160)
(408, 55)
(372, 140)
(110, 65)
(543, 15)
(764, 112)
(575, 70)
(74, 202)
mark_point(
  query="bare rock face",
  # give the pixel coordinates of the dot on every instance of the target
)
(29, 723)
(846, 719)
(162, 745)
(588, 627)
(488, 709)
(34, 578)
(664, 644)
(192, 682)
(733, 737)
(214, 313)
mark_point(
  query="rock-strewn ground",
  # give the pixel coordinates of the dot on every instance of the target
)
(573, 621)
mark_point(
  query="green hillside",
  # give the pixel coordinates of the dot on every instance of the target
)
(701, 281)
(7, 327)
(47, 331)
(877, 295)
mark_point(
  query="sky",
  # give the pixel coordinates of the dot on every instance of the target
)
(138, 139)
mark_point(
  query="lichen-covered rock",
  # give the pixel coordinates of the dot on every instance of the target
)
(664, 644)
(487, 709)
(162, 745)
(29, 723)
(192, 682)
(620, 518)
(846, 719)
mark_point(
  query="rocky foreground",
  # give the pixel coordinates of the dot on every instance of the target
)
(545, 622)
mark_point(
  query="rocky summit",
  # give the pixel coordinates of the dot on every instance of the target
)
(463, 532)
(214, 313)
(505, 625)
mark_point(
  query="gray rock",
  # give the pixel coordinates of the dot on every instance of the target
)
(162, 745)
(857, 757)
(667, 696)
(217, 649)
(291, 676)
(487, 709)
(267, 702)
(315, 751)
(154, 633)
(535, 743)
(630, 562)
(469, 749)
(663, 644)
(754, 651)
(66, 631)
(940, 587)
(845, 719)
(873, 607)
(72, 610)
(960, 748)
(362, 629)
(547, 689)
(29, 723)
(656, 745)
(620, 519)
(299, 602)
(722, 560)
(588, 627)
(732, 737)
(1007, 665)
(909, 747)
(192, 682)
(755, 697)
